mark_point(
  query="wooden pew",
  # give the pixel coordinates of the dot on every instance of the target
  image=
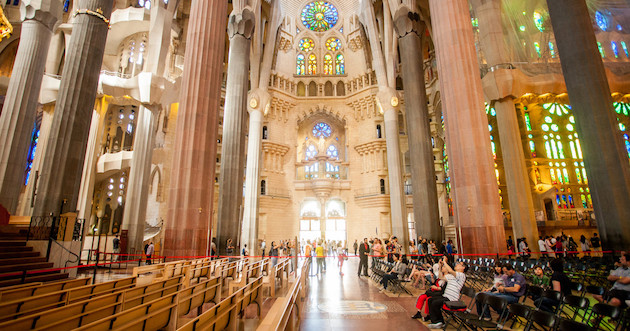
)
(224, 315)
(81, 312)
(40, 288)
(197, 271)
(155, 315)
(251, 270)
(77, 314)
(89, 291)
(276, 272)
(197, 295)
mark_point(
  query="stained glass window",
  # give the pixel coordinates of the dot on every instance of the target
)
(300, 65)
(328, 65)
(340, 65)
(322, 130)
(537, 47)
(311, 152)
(622, 108)
(615, 49)
(306, 45)
(601, 49)
(552, 50)
(333, 44)
(602, 21)
(312, 64)
(332, 152)
(31, 153)
(319, 16)
(539, 21)
(625, 48)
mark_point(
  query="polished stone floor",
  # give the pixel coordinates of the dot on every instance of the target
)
(347, 302)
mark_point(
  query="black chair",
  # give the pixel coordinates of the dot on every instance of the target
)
(518, 311)
(460, 318)
(534, 292)
(551, 295)
(601, 310)
(577, 287)
(450, 308)
(497, 303)
(595, 290)
(544, 320)
(575, 304)
(569, 325)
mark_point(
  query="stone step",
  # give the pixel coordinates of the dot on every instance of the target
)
(25, 266)
(11, 249)
(22, 260)
(14, 255)
(12, 243)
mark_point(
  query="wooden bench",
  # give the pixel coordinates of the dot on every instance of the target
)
(69, 316)
(285, 312)
(195, 296)
(251, 270)
(224, 315)
(198, 271)
(33, 304)
(155, 315)
(77, 314)
(40, 288)
(276, 272)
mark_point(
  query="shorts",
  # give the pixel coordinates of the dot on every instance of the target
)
(621, 295)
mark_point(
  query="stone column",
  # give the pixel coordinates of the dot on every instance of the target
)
(139, 180)
(516, 175)
(476, 193)
(605, 158)
(65, 153)
(425, 201)
(240, 29)
(20, 106)
(389, 104)
(249, 233)
(191, 190)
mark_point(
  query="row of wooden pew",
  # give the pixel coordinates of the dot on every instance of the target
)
(174, 290)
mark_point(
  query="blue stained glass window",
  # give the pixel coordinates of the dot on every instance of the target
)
(332, 152)
(552, 50)
(311, 151)
(319, 16)
(31, 153)
(539, 21)
(615, 49)
(340, 65)
(602, 21)
(322, 130)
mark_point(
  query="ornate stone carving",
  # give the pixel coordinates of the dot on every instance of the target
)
(241, 24)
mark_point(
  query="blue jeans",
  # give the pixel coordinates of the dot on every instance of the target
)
(510, 299)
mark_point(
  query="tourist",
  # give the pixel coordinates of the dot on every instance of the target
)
(341, 256)
(413, 251)
(584, 245)
(542, 247)
(559, 282)
(150, 251)
(273, 252)
(364, 252)
(455, 280)
(263, 245)
(398, 270)
(539, 278)
(550, 243)
(512, 290)
(509, 242)
(213, 248)
(596, 245)
(229, 247)
(319, 255)
(116, 245)
(435, 290)
(619, 294)
(355, 246)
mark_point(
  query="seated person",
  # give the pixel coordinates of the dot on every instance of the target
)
(620, 291)
(455, 280)
(559, 282)
(434, 290)
(399, 268)
(428, 272)
(540, 279)
(512, 290)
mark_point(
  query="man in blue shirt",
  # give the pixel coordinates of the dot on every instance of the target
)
(512, 290)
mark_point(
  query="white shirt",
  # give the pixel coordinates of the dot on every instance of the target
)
(454, 285)
(541, 245)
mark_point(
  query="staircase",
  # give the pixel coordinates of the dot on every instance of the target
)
(16, 257)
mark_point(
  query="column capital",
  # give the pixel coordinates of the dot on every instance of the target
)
(241, 23)
(387, 99)
(406, 22)
(258, 100)
(47, 12)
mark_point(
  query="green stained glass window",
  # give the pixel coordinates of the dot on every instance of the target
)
(340, 65)
(622, 127)
(622, 108)
(537, 48)
(552, 50)
(625, 48)
(333, 44)
(319, 16)
(578, 175)
(539, 21)
(532, 148)
(528, 123)
(565, 173)
(601, 49)
(306, 44)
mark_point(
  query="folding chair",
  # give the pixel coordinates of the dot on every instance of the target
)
(545, 320)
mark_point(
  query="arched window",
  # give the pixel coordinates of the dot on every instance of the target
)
(382, 185)
(322, 129)
(312, 89)
(312, 64)
(328, 89)
(300, 65)
(341, 89)
(263, 187)
(301, 89)
(328, 64)
(378, 131)
(264, 132)
(132, 52)
(340, 65)
(311, 152)
(332, 152)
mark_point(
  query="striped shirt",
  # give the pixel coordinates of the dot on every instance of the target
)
(454, 285)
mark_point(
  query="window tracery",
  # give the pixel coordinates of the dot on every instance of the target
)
(312, 64)
(319, 16)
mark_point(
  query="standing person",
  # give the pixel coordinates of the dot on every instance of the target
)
(413, 251)
(509, 242)
(116, 245)
(549, 244)
(273, 253)
(596, 245)
(542, 247)
(229, 247)
(584, 245)
(319, 253)
(263, 246)
(308, 250)
(523, 248)
(425, 249)
(355, 246)
(213, 248)
(150, 251)
(364, 251)
(341, 256)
